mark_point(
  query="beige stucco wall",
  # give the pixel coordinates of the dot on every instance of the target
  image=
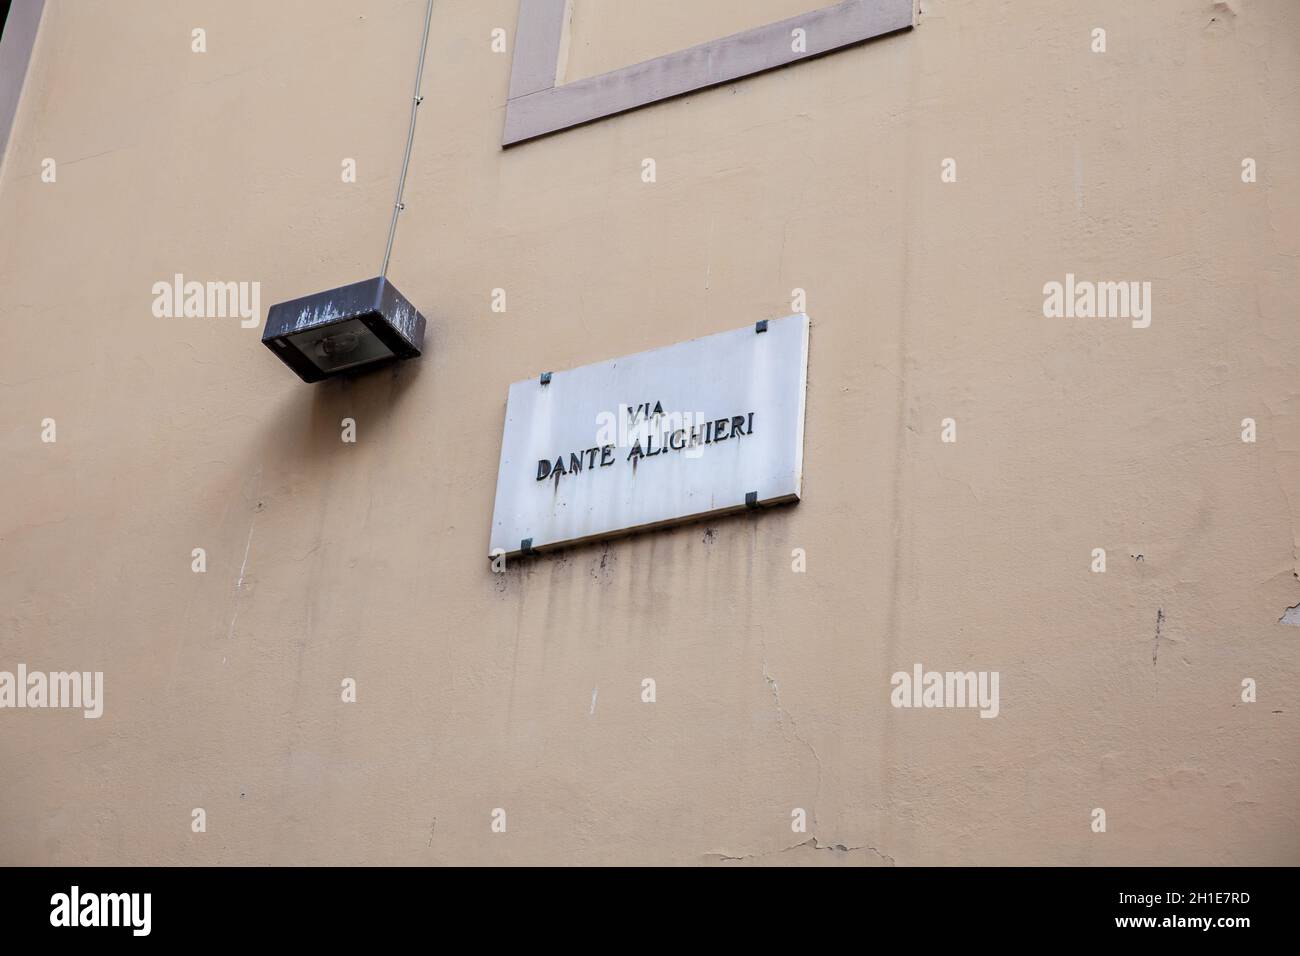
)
(475, 690)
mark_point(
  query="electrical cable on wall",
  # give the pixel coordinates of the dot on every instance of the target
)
(416, 100)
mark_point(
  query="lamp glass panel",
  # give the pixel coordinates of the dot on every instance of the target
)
(342, 345)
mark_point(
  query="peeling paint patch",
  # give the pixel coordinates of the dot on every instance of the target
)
(1155, 648)
(1291, 616)
(1222, 16)
(812, 843)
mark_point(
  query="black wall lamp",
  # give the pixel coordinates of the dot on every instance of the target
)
(342, 330)
(355, 326)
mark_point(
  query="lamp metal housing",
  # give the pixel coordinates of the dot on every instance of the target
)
(344, 330)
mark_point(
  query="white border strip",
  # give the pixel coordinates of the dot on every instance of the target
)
(15, 56)
(538, 106)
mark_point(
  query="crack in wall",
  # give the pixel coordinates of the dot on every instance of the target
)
(781, 713)
(248, 546)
